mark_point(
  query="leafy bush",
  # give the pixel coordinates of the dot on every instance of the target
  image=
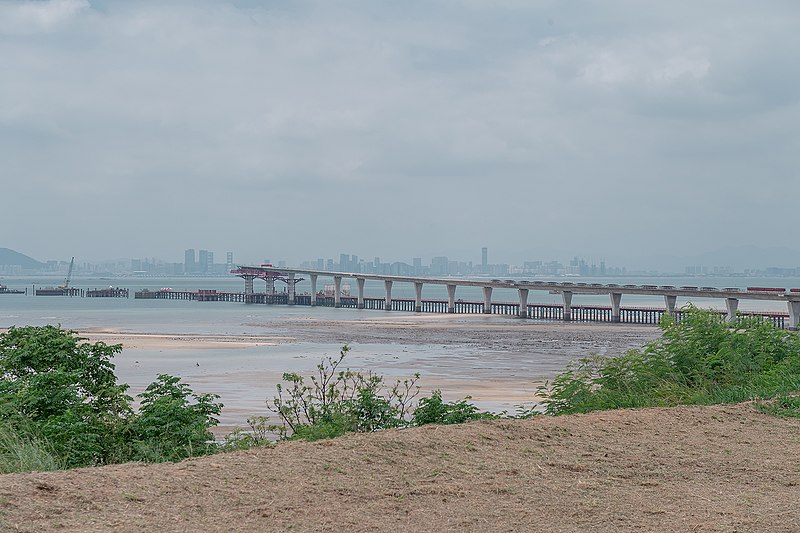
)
(60, 402)
(259, 433)
(340, 401)
(700, 360)
(173, 423)
(434, 410)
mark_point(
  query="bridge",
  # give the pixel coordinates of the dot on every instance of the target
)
(291, 276)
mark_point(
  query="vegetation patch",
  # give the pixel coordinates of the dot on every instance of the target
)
(61, 407)
(701, 359)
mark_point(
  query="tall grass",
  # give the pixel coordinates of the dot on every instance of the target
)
(22, 451)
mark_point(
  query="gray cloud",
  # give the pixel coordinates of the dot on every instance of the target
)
(303, 129)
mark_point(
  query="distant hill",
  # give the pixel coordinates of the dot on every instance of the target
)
(10, 257)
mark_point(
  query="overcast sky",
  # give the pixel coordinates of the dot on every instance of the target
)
(296, 130)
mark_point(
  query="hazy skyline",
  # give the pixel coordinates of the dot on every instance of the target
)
(295, 130)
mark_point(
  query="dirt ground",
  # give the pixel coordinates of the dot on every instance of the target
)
(725, 468)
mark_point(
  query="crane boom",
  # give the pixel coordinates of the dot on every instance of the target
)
(69, 273)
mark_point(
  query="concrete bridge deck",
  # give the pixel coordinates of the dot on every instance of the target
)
(567, 289)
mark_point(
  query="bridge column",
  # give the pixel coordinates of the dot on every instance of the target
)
(669, 301)
(733, 306)
(388, 305)
(567, 295)
(313, 289)
(248, 289)
(337, 291)
(487, 300)
(360, 282)
(523, 303)
(616, 298)
(291, 289)
(451, 298)
(794, 315)
(418, 297)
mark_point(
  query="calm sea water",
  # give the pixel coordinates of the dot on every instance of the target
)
(153, 316)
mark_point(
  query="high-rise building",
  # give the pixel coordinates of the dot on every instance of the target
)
(485, 260)
(440, 266)
(205, 261)
(189, 261)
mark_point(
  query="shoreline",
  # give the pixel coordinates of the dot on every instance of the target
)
(498, 363)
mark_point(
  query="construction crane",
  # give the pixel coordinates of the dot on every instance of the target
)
(69, 274)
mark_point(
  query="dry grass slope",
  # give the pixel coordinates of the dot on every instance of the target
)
(723, 468)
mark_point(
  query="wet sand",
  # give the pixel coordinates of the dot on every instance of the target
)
(499, 362)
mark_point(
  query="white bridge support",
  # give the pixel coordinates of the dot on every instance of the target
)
(616, 298)
(337, 291)
(794, 315)
(360, 282)
(417, 297)
(291, 288)
(451, 298)
(523, 303)
(313, 289)
(388, 304)
(270, 285)
(670, 302)
(733, 307)
(567, 295)
(487, 300)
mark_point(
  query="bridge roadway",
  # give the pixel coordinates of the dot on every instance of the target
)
(566, 288)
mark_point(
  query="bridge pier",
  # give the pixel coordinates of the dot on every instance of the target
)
(670, 301)
(733, 306)
(794, 315)
(248, 289)
(418, 297)
(313, 289)
(337, 291)
(616, 298)
(567, 295)
(451, 298)
(291, 290)
(388, 305)
(360, 282)
(523, 303)
(487, 300)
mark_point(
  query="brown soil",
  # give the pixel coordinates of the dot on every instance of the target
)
(725, 468)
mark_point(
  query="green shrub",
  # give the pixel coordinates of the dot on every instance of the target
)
(61, 406)
(341, 401)
(173, 423)
(700, 360)
(434, 410)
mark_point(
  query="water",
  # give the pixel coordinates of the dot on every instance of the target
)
(246, 375)
(155, 316)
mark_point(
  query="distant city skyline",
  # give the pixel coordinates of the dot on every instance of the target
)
(201, 262)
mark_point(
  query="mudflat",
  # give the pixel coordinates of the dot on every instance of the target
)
(499, 362)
